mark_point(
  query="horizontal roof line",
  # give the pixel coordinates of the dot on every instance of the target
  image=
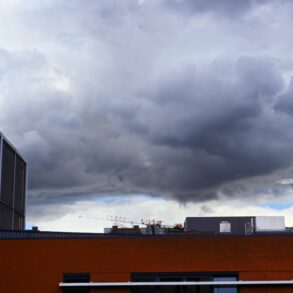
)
(38, 235)
(211, 283)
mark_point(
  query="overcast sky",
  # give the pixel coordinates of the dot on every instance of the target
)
(154, 108)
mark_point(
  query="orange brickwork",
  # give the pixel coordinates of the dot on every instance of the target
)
(29, 266)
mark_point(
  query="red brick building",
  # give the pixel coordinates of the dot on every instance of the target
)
(43, 262)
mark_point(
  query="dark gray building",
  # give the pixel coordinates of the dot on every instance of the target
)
(235, 225)
(12, 187)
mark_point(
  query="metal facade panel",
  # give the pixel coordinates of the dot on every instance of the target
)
(213, 224)
(7, 180)
(6, 216)
(17, 221)
(270, 223)
(12, 186)
(225, 227)
(19, 189)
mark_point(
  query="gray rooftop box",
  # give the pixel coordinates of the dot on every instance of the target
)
(235, 225)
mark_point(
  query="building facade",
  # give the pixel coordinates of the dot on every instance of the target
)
(13, 171)
(235, 225)
(51, 262)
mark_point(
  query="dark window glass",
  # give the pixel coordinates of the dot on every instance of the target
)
(145, 289)
(170, 289)
(180, 277)
(199, 289)
(76, 278)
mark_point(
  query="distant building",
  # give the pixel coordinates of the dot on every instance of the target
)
(116, 230)
(235, 225)
(150, 229)
(12, 187)
(211, 226)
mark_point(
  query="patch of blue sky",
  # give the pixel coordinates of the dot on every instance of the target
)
(277, 191)
(112, 199)
(279, 206)
(273, 190)
(29, 226)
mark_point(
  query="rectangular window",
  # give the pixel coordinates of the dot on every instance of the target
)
(145, 289)
(181, 277)
(170, 289)
(198, 289)
(225, 289)
(76, 278)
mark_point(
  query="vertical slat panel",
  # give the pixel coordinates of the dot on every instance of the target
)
(12, 187)
(6, 215)
(7, 182)
(19, 191)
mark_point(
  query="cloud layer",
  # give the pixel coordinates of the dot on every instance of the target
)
(182, 99)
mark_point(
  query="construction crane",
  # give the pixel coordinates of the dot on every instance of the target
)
(115, 219)
(124, 220)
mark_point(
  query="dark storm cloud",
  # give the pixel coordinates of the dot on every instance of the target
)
(230, 8)
(203, 129)
(285, 101)
(199, 6)
(122, 100)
